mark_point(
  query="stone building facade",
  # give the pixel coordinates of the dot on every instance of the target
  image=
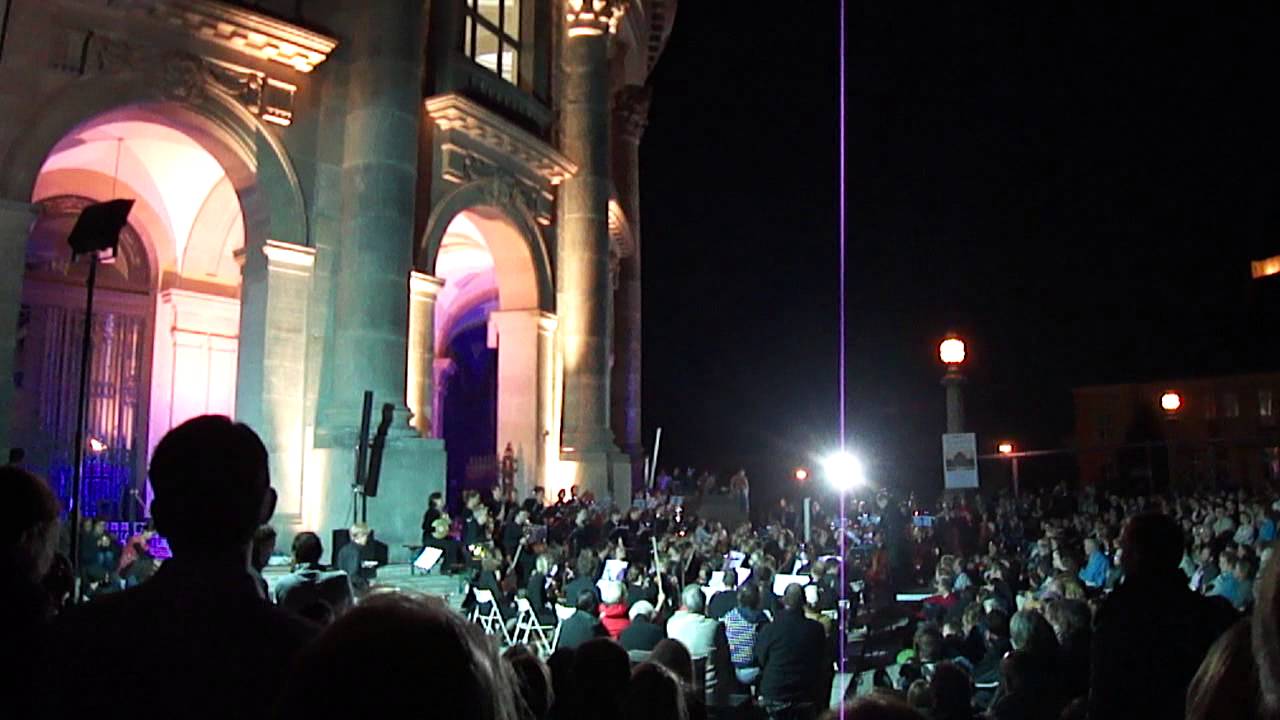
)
(332, 197)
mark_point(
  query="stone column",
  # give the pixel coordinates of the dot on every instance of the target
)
(584, 295)
(16, 219)
(272, 366)
(379, 174)
(524, 339)
(423, 290)
(630, 115)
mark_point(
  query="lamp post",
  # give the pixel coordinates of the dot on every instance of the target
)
(1006, 449)
(952, 353)
(1171, 404)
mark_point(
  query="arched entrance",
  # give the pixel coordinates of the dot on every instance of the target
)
(493, 350)
(166, 319)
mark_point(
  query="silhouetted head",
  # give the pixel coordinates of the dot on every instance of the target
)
(29, 526)
(385, 637)
(749, 596)
(586, 601)
(655, 693)
(211, 483)
(533, 680)
(674, 656)
(793, 597)
(1150, 543)
(307, 548)
(601, 670)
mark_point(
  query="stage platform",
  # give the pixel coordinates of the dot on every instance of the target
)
(398, 576)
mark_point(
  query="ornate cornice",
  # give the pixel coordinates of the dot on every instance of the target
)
(241, 30)
(593, 17)
(186, 77)
(455, 115)
(631, 111)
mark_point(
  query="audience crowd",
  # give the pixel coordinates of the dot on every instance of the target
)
(1048, 605)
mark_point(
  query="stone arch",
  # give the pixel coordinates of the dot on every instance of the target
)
(254, 159)
(497, 194)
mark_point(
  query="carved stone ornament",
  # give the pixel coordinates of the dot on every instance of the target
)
(593, 17)
(631, 111)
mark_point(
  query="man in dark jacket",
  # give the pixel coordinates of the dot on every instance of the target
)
(214, 647)
(1152, 632)
(642, 634)
(791, 652)
(583, 624)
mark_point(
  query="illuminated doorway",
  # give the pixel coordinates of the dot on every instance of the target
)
(166, 319)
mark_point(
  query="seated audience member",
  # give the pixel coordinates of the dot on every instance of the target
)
(400, 642)
(1072, 621)
(920, 697)
(952, 693)
(562, 684)
(987, 671)
(705, 639)
(137, 564)
(674, 656)
(213, 645)
(878, 705)
(264, 544)
(791, 654)
(356, 558)
(1226, 686)
(310, 591)
(452, 559)
(643, 634)
(741, 627)
(28, 541)
(655, 693)
(583, 625)
(1152, 632)
(928, 652)
(613, 608)
(937, 606)
(601, 672)
(1018, 699)
(1097, 566)
(533, 680)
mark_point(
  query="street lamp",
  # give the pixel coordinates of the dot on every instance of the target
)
(844, 471)
(1171, 402)
(801, 475)
(952, 353)
(1006, 448)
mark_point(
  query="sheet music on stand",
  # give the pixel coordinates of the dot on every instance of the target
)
(428, 559)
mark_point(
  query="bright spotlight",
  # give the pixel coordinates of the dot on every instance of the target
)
(96, 446)
(844, 471)
(1005, 448)
(801, 474)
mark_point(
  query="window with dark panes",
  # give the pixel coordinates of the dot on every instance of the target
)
(491, 36)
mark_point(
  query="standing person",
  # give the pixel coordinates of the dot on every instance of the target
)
(790, 652)
(28, 541)
(1152, 631)
(214, 646)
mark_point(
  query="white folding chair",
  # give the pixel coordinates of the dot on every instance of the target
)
(529, 627)
(563, 612)
(491, 620)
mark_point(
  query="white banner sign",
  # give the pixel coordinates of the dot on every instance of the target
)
(960, 460)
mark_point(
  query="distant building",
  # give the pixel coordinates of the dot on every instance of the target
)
(1222, 431)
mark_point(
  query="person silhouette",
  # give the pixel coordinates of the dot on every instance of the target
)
(206, 642)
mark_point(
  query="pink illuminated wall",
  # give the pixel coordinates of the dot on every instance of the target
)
(189, 216)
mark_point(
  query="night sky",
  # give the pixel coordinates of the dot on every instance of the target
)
(1076, 191)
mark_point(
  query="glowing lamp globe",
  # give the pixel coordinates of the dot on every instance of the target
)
(844, 471)
(801, 474)
(1171, 402)
(1005, 448)
(951, 351)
